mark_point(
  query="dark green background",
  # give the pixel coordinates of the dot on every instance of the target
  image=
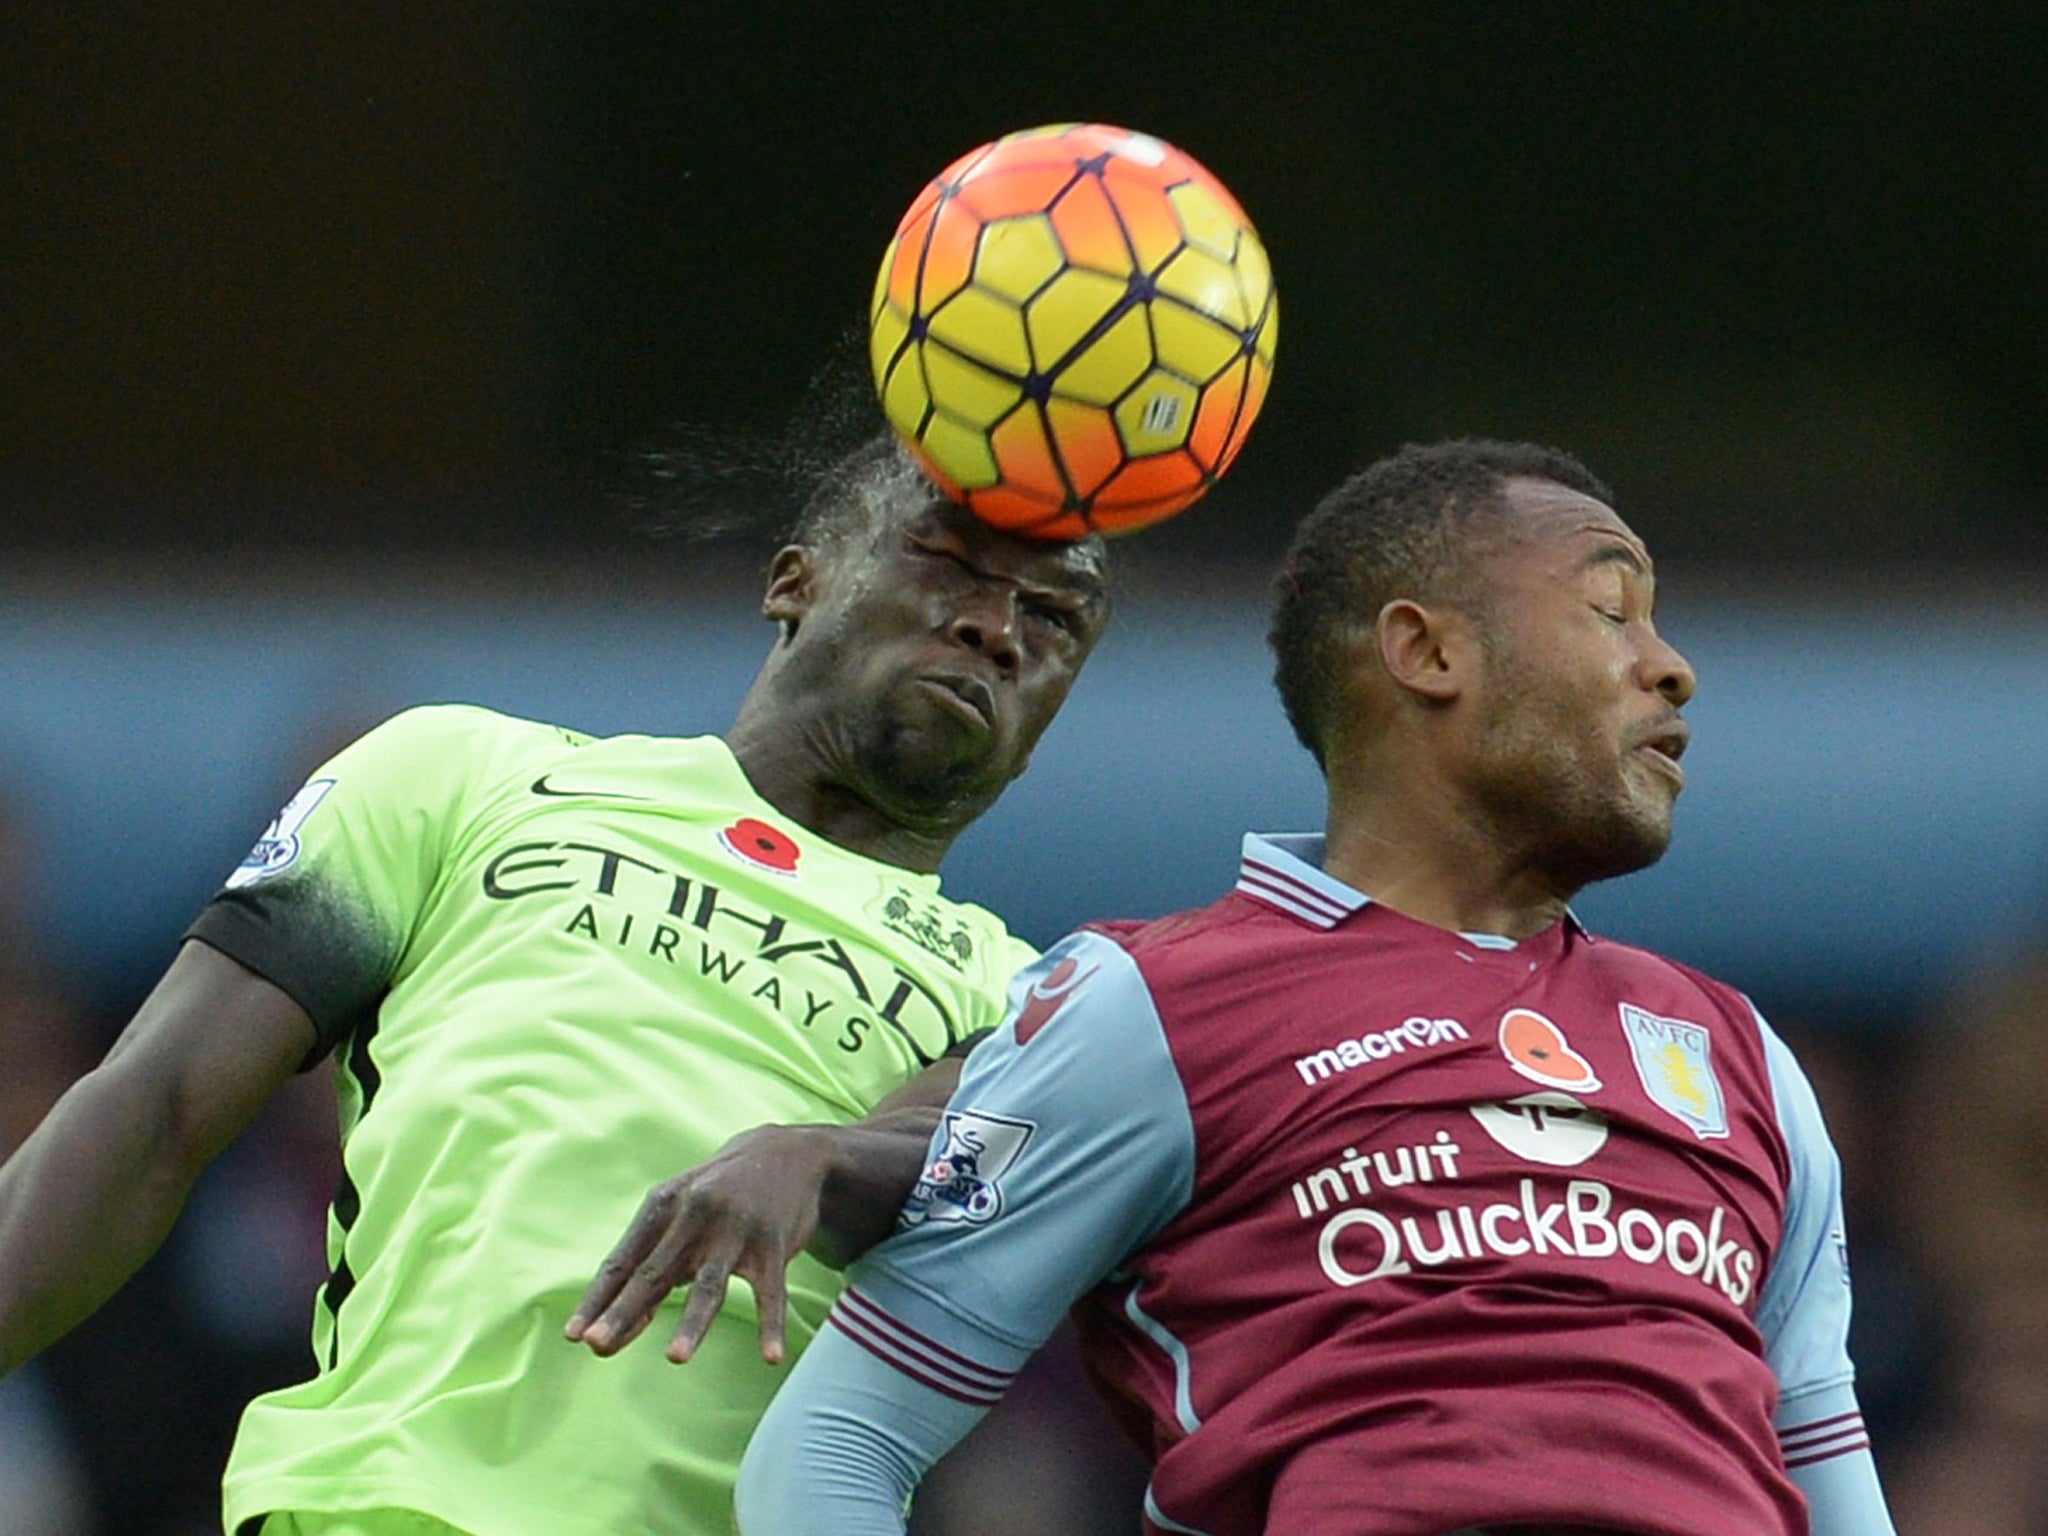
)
(432, 274)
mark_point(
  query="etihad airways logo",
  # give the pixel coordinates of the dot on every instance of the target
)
(665, 917)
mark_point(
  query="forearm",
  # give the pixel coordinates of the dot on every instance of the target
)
(872, 1167)
(83, 1202)
(873, 1164)
(843, 1446)
(91, 1194)
(1827, 1453)
(767, 1195)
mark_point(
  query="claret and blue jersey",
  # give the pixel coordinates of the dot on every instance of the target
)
(1375, 1230)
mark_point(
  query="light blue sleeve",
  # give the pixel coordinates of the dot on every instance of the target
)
(1803, 1314)
(1067, 1145)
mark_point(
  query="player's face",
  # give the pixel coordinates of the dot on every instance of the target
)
(1580, 734)
(954, 646)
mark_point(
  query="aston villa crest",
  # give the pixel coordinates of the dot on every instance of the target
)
(1675, 1061)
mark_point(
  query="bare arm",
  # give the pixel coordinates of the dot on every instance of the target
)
(90, 1195)
(767, 1195)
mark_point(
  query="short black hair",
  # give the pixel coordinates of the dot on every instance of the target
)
(850, 495)
(1394, 529)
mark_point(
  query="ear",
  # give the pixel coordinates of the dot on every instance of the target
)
(792, 585)
(1427, 651)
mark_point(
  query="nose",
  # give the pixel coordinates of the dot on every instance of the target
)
(1665, 670)
(987, 621)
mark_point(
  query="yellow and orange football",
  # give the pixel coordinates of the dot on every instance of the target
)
(1073, 330)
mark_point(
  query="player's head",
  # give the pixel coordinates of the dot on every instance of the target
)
(923, 651)
(1480, 608)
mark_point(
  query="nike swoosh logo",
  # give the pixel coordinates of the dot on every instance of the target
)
(541, 786)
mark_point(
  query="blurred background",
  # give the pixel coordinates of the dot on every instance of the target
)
(334, 345)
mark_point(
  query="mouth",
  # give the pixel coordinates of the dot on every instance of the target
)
(1665, 745)
(968, 697)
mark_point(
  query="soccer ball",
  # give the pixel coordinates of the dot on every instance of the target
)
(1073, 330)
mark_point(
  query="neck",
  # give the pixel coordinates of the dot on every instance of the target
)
(788, 766)
(1415, 850)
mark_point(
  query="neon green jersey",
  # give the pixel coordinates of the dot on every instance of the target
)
(557, 970)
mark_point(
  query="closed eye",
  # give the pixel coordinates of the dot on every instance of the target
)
(1067, 619)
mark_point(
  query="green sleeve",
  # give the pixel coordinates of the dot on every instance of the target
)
(326, 903)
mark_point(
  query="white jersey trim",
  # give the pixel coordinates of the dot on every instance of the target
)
(1177, 1352)
(1152, 1514)
(1280, 870)
(1284, 870)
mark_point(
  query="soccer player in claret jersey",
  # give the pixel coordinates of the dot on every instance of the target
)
(553, 969)
(1396, 1203)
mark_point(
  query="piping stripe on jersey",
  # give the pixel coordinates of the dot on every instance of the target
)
(1177, 1352)
(358, 1063)
(1277, 888)
(1487, 940)
(1152, 1514)
(922, 1359)
(1280, 870)
(1824, 1440)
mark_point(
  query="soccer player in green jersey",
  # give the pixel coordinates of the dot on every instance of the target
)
(552, 969)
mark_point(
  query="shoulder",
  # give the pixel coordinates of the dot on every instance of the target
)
(1185, 935)
(1632, 966)
(469, 729)
(1206, 961)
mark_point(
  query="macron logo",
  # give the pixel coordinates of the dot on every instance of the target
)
(1410, 1035)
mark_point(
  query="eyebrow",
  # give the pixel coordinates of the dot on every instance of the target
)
(1087, 585)
(1614, 552)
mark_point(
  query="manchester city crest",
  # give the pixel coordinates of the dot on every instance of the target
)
(1675, 1061)
(928, 925)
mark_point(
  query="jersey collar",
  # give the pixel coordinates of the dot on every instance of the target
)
(1284, 870)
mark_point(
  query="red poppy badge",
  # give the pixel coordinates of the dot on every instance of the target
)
(760, 844)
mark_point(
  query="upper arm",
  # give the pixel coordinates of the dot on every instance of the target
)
(1803, 1311)
(326, 905)
(210, 1045)
(92, 1191)
(1067, 1144)
(1803, 1314)
(842, 1455)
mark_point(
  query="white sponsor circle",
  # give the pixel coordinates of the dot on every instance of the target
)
(1551, 1128)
